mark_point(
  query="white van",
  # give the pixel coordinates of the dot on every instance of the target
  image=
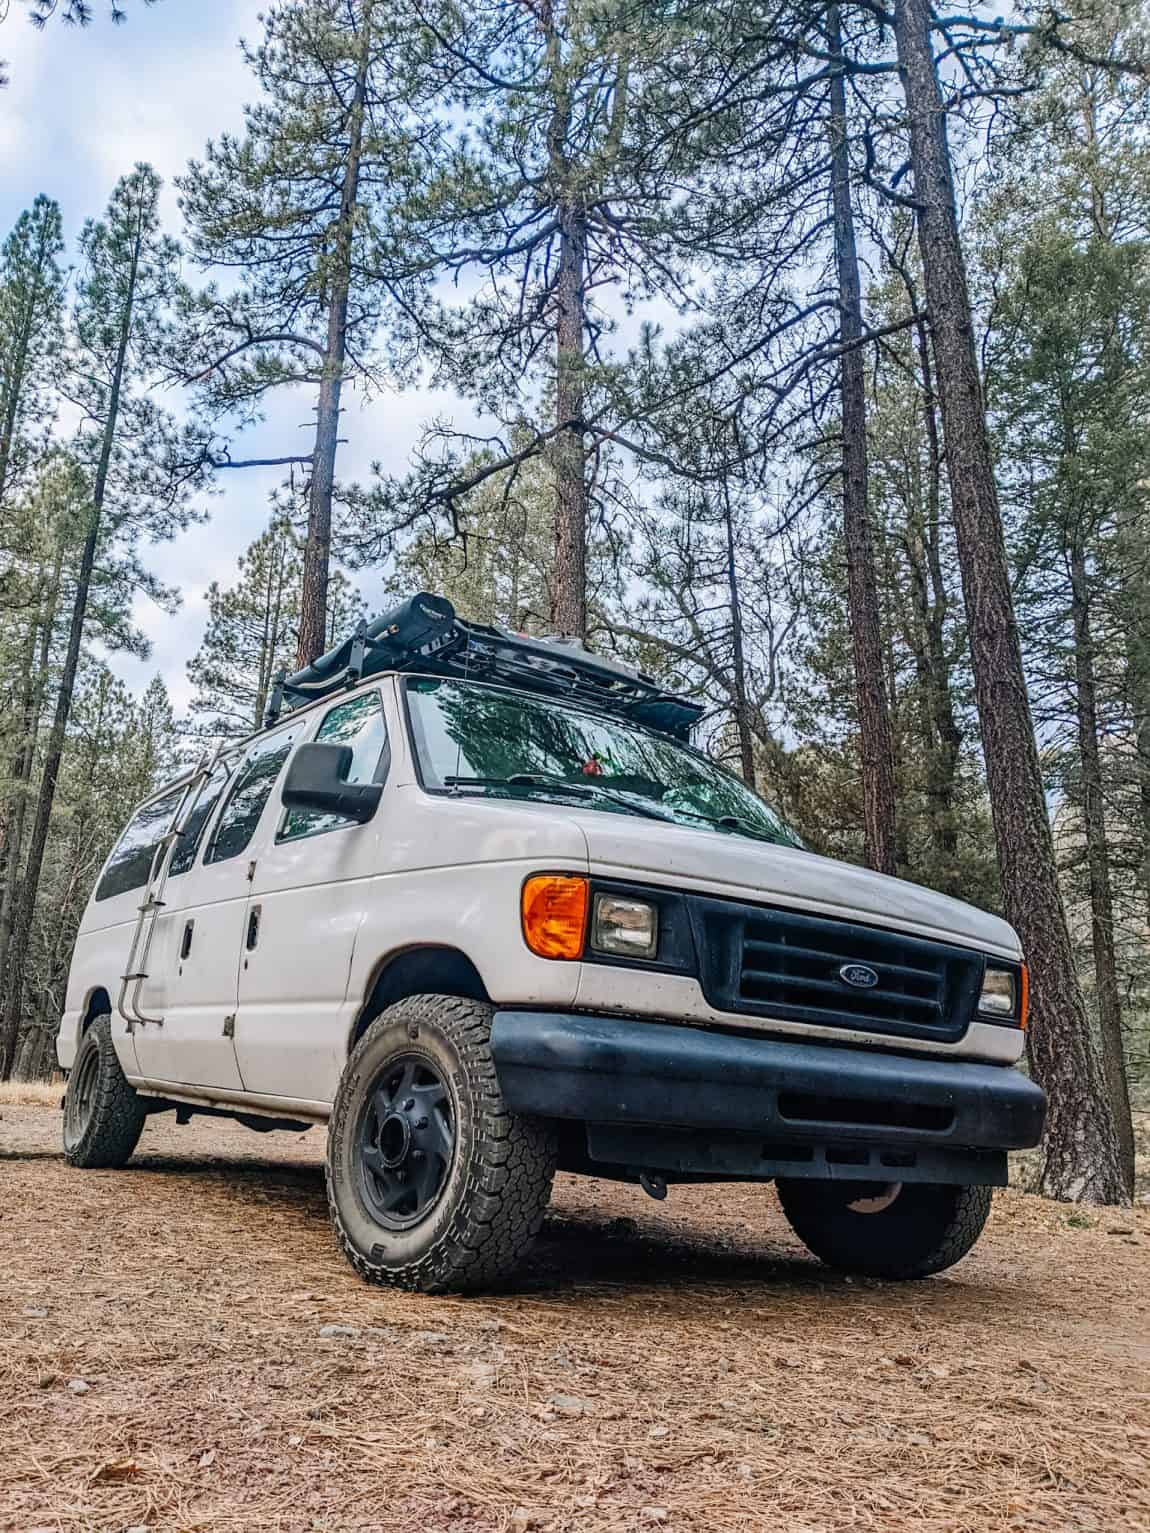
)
(473, 901)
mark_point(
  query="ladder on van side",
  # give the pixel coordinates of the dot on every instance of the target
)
(128, 1001)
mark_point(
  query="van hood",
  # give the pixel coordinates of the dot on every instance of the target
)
(734, 866)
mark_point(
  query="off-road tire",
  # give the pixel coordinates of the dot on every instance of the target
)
(927, 1228)
(103, 1116)
(492, 1199)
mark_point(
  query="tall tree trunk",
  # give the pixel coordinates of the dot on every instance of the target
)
(948, 735)
(317, 549)
(569, 453)
(1142, 743)
(1080, 1159)
(876, 742)
(25, 760)
(46, 797)
(1098, 860)
(24, 686)
(1134, 568)
(738, 651)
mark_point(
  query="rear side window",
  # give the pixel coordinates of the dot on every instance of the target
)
(358, 723)
(128, 865)
(250, 792)
(189, 843)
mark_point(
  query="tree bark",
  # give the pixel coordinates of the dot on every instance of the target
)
(942, 735)
(45, 799)
(569, 452)
(876, 741)
(32, 700)
(317, 549)
(1080, 1151)
(1098, 861)
(738, 652)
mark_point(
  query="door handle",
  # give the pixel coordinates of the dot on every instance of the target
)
(253, 927)
(186, 941)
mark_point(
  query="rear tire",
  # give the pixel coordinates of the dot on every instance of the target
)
(900, 1232)
(103, 1116)
(432, 1184)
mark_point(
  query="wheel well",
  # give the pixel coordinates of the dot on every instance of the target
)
(420, 971)
(99, 1005)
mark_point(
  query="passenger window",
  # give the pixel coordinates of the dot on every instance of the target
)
(358, 723)
(189, 843)
(129, 864)
(250, 792)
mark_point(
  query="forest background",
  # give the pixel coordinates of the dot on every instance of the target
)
(798, 352)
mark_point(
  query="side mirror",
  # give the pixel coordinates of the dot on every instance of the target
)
(317, 779)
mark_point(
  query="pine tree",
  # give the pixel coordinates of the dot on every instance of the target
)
(875, 741)
(292, 207)
(1080, 1149)
(252, 631)
(74, 12)
(135, 460)
(1067, 242)
(561, 189)
(49, 525)
(495, 570)
(31, 331)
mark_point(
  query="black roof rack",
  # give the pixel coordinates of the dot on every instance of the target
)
(423, 634)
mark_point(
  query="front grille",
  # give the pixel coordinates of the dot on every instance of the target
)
(780, 963)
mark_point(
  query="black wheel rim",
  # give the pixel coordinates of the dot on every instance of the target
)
(81, 1095)
(406, 1141)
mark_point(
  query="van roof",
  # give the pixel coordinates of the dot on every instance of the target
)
(423, 636)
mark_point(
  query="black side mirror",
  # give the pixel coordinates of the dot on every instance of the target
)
(317, 779)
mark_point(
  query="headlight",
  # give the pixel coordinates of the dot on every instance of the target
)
(1003, 994)
(626, 927)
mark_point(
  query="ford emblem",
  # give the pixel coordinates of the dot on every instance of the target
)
(860, 975)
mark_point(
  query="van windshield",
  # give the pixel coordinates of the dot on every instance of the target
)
(471, 738)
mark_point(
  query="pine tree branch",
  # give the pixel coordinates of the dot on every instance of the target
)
(215, 461)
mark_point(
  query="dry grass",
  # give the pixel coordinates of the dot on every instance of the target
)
(31, 1093)
(681, 1365)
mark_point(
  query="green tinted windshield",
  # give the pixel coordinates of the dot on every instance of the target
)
(482, 739)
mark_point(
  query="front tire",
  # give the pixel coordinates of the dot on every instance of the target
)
(432, 1184)
(103, 1116)
(895, 1231)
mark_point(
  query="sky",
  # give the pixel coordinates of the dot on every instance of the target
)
(81, 108)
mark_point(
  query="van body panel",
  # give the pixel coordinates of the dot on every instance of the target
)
(445, 869)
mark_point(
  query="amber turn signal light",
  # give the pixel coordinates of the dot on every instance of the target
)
(554, 910)
(1024, 999)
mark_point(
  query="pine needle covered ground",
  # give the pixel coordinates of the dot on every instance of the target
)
(181, 1348)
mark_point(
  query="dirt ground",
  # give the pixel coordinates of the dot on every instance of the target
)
(182, 1348)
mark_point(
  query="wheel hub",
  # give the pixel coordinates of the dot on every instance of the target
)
(394, 1140)
(406, 1141)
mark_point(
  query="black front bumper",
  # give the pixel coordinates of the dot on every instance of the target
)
(681, 1099)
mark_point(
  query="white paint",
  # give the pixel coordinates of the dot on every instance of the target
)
(433, 870)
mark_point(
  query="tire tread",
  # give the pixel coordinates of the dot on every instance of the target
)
(118, 1115)
(509, 1180)
(896, 1250)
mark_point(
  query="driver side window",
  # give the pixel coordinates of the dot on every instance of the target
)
(359, 724)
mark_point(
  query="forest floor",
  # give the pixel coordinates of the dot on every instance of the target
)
(182, 1348)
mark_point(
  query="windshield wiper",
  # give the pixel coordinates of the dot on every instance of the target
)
(587, 790)
(737, 823)
(592, 789)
